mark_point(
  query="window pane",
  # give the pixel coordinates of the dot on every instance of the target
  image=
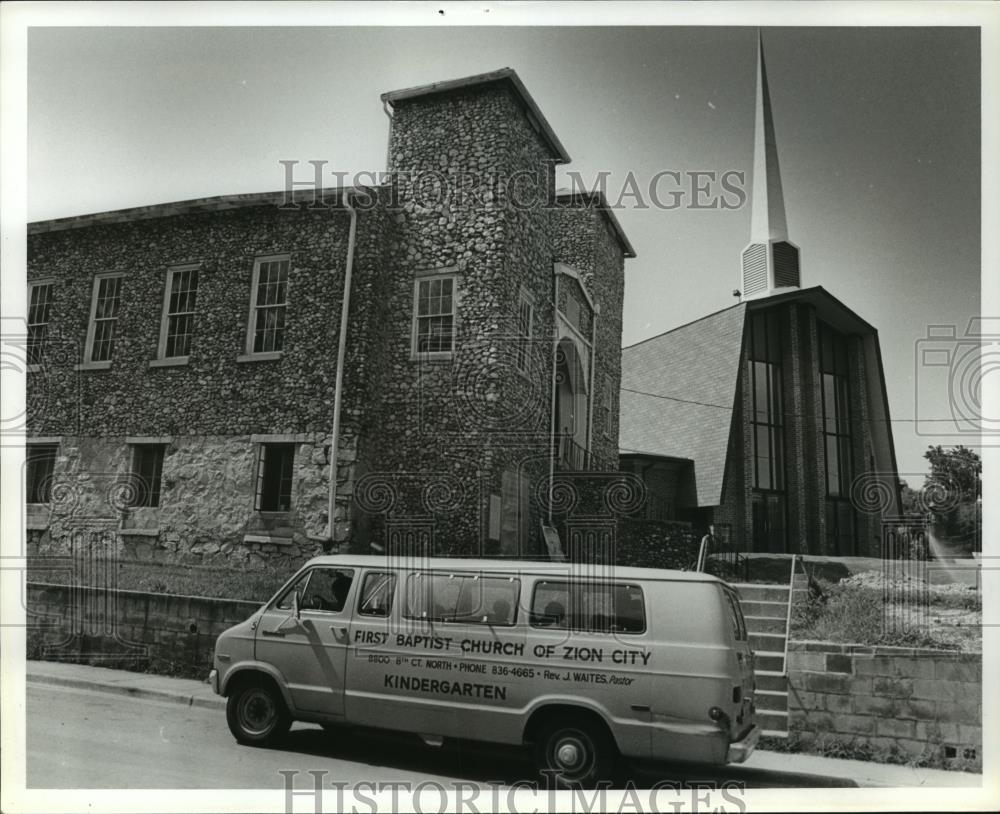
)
(39, 464)
(327, 590)
(376, 594)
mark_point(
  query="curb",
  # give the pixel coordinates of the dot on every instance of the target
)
(188, 700)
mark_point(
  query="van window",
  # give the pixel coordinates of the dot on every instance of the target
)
(321, 589)
(600, 607)
(469, 598)
(736, 617)
(376, 594)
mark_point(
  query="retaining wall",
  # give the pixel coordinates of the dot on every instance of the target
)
(128, 629)
(920, 702)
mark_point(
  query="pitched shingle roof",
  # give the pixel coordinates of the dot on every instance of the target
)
(698, 366)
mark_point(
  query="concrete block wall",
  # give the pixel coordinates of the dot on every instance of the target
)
(128, 629)
(921, 702)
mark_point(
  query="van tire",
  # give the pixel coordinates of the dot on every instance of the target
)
(256, 712)
(573, 754)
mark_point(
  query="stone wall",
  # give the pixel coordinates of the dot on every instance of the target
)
(921, 703)
(657, 544)
(128, 629)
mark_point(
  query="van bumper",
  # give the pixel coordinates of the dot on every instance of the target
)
(740, 750)
(213, 680)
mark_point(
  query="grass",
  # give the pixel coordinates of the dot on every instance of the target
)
(826, 744)
(859, 614)
(252, 583)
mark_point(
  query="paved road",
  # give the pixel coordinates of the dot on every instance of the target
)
(84, 739)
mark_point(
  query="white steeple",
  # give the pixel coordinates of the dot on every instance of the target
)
(770, 262)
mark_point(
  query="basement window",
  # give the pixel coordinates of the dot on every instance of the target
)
(147, 471)
(274, 477)
(40, 461)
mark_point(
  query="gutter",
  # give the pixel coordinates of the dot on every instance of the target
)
(339, 381)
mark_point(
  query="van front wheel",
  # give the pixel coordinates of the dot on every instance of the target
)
(574, 755)
(256, 713)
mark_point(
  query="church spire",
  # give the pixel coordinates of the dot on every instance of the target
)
(770, 262)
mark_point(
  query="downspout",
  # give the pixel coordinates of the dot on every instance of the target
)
(339, 381)
(555, 373)
(591, 396)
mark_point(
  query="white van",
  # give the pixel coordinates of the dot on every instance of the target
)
(582, 663)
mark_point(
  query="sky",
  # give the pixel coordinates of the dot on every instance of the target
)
(877, 129)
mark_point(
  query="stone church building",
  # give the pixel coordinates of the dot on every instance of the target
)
(768, 419)
(184, 387)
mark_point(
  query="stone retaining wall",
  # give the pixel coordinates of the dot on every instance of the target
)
(128, 629)
(920, 702)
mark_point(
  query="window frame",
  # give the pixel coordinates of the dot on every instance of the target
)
(29, 491)
(249, 354)
(470, 575)
(609, 585)
(261, 463)
(45, 282)
(88, 358)
(138, 449)
(415, 352)
(165, 314)
(525, 333)
(394, 581)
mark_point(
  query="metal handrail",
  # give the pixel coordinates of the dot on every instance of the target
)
(788, 612)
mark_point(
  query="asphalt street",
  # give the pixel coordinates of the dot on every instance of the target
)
(84, 739)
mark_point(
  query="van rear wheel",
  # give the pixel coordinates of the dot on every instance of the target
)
(576, 754)
(256, 713)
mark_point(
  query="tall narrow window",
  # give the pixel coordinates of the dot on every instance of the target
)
(525, 314)
(274, 477)
(147, 469)
(434, 316)
(177, 328)
(104, 317)
(766, 429)
(39, 308)
(834, 369)
(40, 461)
(269, 302)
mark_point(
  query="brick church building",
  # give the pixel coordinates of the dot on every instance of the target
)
(184, 386)
(769, 418)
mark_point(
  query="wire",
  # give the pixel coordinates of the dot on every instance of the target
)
(795, 415)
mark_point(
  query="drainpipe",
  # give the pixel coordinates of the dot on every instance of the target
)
(341, 354)
(554, 391)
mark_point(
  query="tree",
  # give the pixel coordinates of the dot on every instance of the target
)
(953, 494)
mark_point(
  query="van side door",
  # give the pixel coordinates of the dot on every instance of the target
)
(310, 650)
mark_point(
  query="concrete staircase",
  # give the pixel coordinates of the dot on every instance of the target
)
(765, 609)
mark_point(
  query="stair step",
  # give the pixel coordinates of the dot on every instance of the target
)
(768, 680)
(764, 624)
(770, 661)
(772, 610)
(769, 642)
(771, 701)
(772, 720)
(774, 733)
(758, 592)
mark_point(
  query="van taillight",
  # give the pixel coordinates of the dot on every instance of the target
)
(737, 694)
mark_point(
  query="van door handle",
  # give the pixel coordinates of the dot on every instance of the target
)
(640, 708)
(278, 633)
(339, 633)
